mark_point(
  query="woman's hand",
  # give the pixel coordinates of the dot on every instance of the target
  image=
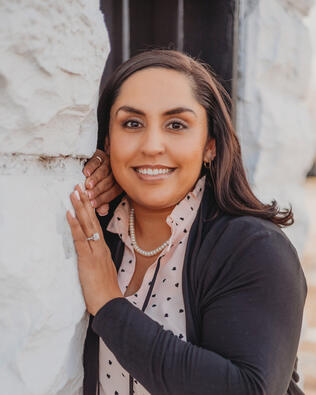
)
(97, 273)
(100, 184)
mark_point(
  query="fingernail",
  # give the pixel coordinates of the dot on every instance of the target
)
(89, 194)
(82, 186)
(93, 203)
(72, 213)
(104, 210)
(90, 183)
(77, 194)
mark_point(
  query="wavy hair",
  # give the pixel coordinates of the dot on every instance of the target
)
(232, 191)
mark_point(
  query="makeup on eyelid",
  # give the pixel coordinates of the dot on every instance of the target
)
(157, 146)
(182, 123)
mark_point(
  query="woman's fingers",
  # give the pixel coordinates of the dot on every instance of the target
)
(106, 197)
(94, 162)
(100, 173)
(80, 240)
(82, 214)
(102, 186)
(88, 211)
(98, 247)
(103, 210)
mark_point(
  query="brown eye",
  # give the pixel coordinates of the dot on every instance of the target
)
(132, 124)
(176, 125)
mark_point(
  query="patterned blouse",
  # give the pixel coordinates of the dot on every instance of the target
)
(166, 304)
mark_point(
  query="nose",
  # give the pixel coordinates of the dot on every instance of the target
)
(153, 142)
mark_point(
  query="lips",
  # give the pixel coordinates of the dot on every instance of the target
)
(154, 170)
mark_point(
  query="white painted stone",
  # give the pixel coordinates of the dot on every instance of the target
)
(311, 25)
(301, 6)
(273, 121)
(52, 56)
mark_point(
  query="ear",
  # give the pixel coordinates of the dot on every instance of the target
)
(209, 151)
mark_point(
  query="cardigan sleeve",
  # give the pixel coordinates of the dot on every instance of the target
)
(250, 320)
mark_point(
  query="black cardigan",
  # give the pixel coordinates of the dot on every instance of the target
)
(244, 292)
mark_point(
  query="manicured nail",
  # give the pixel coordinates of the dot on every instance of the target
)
(90, 183)
(72, 213)
(89, 194)
(93, 203)
(77, 194)
(82, 187)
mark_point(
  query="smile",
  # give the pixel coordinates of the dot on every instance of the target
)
(153, 171)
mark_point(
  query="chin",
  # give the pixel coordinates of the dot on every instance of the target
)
(155, 202)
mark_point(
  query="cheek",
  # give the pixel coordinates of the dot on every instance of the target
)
(190, 153)
(119, 154)
(123, 151)
(121, 148)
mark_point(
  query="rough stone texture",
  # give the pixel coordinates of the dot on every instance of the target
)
(273, 121)
(52, 56)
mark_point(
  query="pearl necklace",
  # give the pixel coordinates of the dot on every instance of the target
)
(133, 238)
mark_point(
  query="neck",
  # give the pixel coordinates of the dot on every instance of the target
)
(150, 226)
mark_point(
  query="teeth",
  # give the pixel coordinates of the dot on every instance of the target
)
(153, 172)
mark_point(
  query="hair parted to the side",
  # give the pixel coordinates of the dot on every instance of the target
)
(232, 192)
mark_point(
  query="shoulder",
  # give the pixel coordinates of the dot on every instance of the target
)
(249, 256)
(234, 230)
(237, 231)
(248, 246)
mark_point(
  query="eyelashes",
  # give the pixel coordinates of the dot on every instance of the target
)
(132, 124)
(174, 124)
(180, 125)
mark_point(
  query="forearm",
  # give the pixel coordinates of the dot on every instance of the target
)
(162, 362)
(250, 317)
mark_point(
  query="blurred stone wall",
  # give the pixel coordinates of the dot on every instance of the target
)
(52, 55)
(273, 121)
(307, 350)
(311, 25)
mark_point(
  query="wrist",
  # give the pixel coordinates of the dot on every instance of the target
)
(94, 310)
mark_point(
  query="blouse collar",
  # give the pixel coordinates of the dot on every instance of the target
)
(180, 219)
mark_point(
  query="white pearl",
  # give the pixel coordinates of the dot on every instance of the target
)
(133, 239)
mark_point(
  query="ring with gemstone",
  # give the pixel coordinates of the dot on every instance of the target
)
(94, 237)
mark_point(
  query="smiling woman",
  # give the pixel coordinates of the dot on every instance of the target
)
(155, 135)
(194, 288)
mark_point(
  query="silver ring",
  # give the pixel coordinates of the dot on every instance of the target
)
(94, 237)
(100, 159)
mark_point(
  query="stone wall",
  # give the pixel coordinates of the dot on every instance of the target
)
(307, 351)
(273, 121)
(52, 55)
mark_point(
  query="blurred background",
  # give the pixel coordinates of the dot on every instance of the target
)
(307, 352)
(264, 53)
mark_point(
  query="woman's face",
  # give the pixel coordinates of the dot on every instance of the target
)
(158, 138)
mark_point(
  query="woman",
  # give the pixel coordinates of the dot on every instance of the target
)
(195, 289)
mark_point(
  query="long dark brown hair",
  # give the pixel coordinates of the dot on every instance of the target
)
(232, 192)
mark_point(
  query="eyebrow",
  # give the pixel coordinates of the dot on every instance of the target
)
(177, 110)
